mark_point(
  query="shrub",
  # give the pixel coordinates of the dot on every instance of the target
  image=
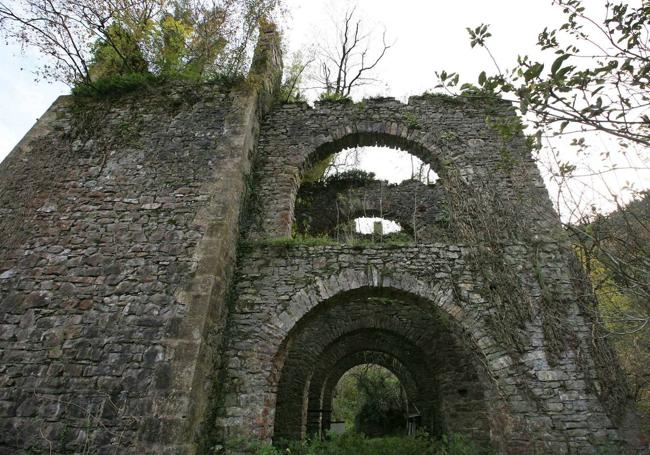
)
(116, 85)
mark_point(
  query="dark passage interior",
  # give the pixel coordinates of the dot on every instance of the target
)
(397, 331)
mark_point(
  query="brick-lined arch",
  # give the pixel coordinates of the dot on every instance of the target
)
(284, 159)
(385, 348)
(438, 294)
(268, 313)
(321, 393)
(377, 319)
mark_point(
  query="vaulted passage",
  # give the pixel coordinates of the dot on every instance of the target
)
(396, 330)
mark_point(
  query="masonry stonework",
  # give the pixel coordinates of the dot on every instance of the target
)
(137, 317)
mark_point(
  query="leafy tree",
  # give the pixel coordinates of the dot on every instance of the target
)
(84, 41)
(372, 398)
(615, 252)
(293, 79)
(592, 77)
(597, 80)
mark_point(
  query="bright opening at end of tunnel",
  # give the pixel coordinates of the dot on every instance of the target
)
(370, 400)
(390, 164)
(367, 225)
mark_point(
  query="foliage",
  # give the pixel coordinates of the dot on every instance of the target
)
(349, 178)
(318, 170)
(86, 42)
(334, 97)
(370, 399)
(592, 76)
(412, 121)
(383, 407)
(293, 78)
(597, 80)
(355, 444)
(614, 251)
(116, 85)
(300, 240)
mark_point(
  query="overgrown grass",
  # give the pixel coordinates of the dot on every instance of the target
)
(116, 85)
(334, 97)
(360, 241)
(356, 444)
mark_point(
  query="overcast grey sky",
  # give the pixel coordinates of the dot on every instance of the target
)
(428, 35)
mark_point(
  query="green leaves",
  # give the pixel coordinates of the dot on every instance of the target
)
(533, 72)
(594, 75)
(482, 78)
(478, 35)
(557, 64)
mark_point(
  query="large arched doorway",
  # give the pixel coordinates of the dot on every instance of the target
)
(396, 330)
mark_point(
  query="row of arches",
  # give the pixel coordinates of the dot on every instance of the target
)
(395, 330)
(388, 328)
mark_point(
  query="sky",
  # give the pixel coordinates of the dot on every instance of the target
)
(426, 36)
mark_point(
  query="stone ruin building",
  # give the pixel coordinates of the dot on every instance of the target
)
(152, 300)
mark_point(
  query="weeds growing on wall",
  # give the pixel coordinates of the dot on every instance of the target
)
(334, 97)
(490, 220)
(361, 241)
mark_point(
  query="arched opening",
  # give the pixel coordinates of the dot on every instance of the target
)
(370, 399)
(371, 176)
(390, 164)
(402, 333)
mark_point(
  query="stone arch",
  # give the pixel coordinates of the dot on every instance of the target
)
(326, 377)
(362, 310)
(278, 210)
(439, 294)
(382, 134)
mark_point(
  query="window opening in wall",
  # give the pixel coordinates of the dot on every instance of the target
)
(370, 194)
(388, 164)
(375, 226)
(369, 399)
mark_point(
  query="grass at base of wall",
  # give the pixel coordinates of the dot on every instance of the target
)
(356, 444)
(308, 240)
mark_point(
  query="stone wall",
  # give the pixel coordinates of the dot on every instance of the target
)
(118, 230)
(295, 304)
(454, 135)
(419, 209)
(130, 321)
(515, 361)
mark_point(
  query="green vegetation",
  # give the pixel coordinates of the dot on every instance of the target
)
(111, 47)
(614, 252)
(395, 239)
(116, 85)
(355, 444)
(370, 399)
(412, 121)
(351, 178)
(293, 78)
(335, 97)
